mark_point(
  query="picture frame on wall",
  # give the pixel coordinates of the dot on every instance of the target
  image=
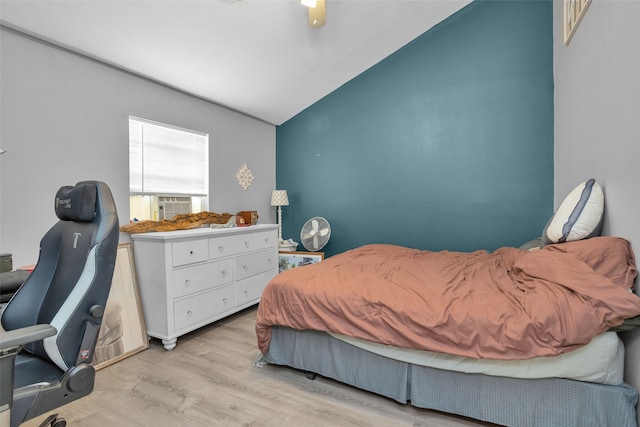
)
(123, 332)
(295, 259)
(574, 10)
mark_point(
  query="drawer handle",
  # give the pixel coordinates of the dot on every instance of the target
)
(269, 260)
(246, 244)
(187, 283)
(221, 248)
(189, 313)
(245, 292)
(266, 241)
(224, 273)
(246, 268)
(225, 300)
(190, 252)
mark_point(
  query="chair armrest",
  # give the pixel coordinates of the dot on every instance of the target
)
(25, 335)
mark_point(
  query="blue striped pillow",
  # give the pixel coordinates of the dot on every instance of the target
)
(579, 216)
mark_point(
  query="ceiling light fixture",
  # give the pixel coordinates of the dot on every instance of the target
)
(316, 12)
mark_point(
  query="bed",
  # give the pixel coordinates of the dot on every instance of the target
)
(516, 337)
(303, 321)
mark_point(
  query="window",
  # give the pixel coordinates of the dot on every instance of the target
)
(168, 170)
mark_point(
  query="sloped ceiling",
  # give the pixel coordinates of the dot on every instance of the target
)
(258, 57)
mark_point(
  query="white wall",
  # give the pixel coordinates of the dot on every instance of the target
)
(64, 118)
(597, 120)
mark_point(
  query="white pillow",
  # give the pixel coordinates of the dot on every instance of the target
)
(579, 216)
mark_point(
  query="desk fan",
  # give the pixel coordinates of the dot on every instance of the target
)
(315, 233)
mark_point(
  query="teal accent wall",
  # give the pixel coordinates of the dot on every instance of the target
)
(445, 144)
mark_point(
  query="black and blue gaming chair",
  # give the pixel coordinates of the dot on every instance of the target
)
(51, 324)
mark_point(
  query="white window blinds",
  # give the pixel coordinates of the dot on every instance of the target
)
(167, 160)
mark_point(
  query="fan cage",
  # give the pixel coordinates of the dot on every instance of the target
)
(307, 228)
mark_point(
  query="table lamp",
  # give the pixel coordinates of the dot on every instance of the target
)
(279, 198)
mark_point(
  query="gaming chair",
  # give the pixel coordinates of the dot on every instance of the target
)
(51, 324)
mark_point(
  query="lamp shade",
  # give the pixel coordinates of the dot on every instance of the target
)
(279, 198)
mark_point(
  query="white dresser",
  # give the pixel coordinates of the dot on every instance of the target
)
(190, 278)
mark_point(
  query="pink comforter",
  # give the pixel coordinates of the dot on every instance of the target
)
(509, 304)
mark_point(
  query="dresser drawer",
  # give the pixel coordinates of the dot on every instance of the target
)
(197, 308)
(255, 263)
(189, 252)
(228, 246)
(264, 240)
(250, 290)
(196, 278)
(233, 245)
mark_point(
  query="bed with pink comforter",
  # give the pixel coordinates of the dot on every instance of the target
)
(509, 304)
(506, 305)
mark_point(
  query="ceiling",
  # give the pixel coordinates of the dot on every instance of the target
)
(258, 57)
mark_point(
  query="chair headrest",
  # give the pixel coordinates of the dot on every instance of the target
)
(76, 203)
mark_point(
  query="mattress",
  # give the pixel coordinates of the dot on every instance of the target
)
(601, 361)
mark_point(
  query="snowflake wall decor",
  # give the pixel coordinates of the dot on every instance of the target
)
(244, 177)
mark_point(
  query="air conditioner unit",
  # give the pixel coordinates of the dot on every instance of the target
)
(169, 206)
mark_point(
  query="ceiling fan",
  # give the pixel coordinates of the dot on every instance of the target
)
(316, 12)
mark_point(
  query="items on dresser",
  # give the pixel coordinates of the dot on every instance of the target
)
(249, 217)
(190, 278)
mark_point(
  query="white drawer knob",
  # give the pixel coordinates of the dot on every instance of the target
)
(223, 273)
(221, 248)
(246, 268)
(225, 300)
(269, 260)
(189, 313)
(187, 283)
(246, 244)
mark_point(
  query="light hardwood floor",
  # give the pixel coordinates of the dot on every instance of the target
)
(210, 379)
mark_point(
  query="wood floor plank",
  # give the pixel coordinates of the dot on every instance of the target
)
(210, 380)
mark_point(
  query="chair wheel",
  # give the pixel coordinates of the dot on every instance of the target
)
(54, 421)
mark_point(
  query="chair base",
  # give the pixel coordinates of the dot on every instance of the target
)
(35, 400)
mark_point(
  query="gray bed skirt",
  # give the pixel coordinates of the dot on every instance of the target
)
(500, 400)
